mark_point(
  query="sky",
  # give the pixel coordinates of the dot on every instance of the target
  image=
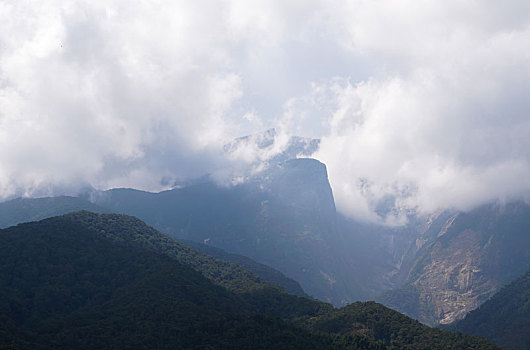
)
(419, 105)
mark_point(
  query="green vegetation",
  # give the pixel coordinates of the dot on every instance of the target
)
(396, 331)
(505, 318)
(96, 281)
(31, 209)
(133, 232)
(64, 286)
(265, 272)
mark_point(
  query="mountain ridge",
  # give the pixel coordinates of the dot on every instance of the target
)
(30, 209)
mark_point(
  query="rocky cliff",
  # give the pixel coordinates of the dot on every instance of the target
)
(461, 263)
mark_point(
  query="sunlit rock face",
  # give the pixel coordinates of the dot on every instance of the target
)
(463, 260)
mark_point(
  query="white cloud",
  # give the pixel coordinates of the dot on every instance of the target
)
(421, 104)
(445, 121)
(114, 92)
(101, 91)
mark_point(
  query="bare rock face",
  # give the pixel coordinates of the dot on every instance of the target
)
(462, 261)
(452, 282)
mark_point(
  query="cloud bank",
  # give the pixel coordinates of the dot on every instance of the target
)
(109, 93)
(446, 122)
(419, 105)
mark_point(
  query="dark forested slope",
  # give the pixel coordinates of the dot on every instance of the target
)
(30, 209)
(63, 285)
(265, 272)
(505, 318)
(100, 281)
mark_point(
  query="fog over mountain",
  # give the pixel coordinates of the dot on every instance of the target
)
(419, 106)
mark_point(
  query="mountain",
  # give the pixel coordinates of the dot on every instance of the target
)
(505, 318)
(66, 285)
(30, 209)
(396, 330)
(436, 268)
(88, 280)
(458, 260)
(133, 232)
(283, 217)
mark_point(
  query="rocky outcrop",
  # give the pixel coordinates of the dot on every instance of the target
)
(452, 282)
(461, 263)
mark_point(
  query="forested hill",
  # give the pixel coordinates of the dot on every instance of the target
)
(22, 210)
(64, 286)
(134, 233)
(505, 318)
(97, 281)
